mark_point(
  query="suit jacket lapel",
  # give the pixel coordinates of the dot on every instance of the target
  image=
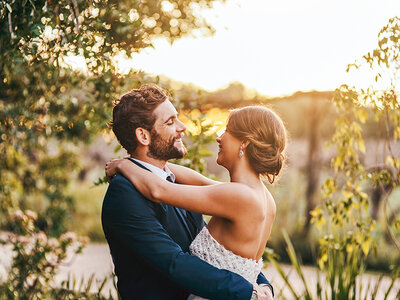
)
(179, 212)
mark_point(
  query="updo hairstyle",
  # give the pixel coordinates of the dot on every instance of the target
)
(266, 135)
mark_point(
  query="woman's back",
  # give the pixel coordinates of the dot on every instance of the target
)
(248, 233)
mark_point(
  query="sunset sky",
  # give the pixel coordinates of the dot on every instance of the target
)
(275, 47)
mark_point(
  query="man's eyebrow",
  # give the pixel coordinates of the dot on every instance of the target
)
(171, 117)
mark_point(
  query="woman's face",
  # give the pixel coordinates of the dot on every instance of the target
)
(229, 147)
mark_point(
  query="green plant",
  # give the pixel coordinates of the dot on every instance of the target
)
(349, 235)
(48, 107)
(324, 287)
(72, 289)
(35, 258)
(198, 140)
(344, 219)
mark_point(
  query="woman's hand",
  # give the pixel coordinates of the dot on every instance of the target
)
(112, 168)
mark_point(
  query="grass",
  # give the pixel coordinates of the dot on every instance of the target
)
(86, 220)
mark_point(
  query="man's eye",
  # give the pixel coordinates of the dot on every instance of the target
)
(170, 122)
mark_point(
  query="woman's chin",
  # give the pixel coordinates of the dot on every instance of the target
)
(219, 160)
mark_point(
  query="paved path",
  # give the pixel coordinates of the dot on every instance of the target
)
(96, 260)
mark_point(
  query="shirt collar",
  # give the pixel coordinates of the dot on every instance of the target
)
(156, 170)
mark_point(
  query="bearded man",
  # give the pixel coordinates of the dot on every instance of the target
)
(149, 242)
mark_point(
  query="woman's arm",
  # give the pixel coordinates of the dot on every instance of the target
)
(222, 200)
(188, 176)
(129, 222)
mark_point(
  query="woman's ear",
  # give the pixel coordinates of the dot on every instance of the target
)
(143, 136)
(245, 144)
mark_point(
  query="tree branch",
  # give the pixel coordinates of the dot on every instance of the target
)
(10, 27)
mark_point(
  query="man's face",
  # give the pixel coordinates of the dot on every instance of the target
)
(166, 135)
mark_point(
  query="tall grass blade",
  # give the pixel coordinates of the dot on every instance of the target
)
(395, 277)
(283, 276)
(376, 287)
(73, 282)
(293, 258)
(102, 286)
(89, 284)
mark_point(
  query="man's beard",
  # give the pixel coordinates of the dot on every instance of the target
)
(164, 149)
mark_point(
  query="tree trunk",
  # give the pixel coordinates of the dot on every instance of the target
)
(314, 159)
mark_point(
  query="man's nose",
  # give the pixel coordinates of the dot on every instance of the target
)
(181, 127)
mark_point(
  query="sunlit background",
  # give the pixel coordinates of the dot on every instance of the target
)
(275, 47)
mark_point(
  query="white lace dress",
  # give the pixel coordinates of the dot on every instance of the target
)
(208, 249)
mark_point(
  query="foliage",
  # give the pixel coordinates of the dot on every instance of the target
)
(199, 138)
(349, 235)
(71, 290)
(47, 107)
(346, 198)
(35, 258)
(346, 227)
(324, 288)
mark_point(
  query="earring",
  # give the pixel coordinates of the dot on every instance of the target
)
(241, 153)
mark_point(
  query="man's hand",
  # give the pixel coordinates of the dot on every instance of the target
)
(263, 292)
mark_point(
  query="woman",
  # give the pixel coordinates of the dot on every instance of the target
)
(242, 210)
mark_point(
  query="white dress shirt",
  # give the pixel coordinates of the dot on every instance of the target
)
(156, 170)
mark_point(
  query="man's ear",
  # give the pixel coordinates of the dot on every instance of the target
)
(143, 136)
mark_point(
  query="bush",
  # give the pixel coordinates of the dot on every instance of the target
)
(35, 261)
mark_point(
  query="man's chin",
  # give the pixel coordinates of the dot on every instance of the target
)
(180, 147)
(182, 152)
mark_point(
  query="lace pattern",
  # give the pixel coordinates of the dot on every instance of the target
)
(208, 249)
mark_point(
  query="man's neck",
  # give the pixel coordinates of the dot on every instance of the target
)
(155, 162)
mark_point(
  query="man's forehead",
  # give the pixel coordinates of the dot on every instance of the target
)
(165, 110)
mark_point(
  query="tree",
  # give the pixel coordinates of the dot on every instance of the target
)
(316, 113)
(47, 107)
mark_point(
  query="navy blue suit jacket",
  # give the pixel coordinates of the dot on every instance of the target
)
(149, 244)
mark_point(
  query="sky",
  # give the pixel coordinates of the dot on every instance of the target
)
(275, 47)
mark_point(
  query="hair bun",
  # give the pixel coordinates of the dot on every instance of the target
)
(266, 135)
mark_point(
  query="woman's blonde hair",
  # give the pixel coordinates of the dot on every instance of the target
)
(266, 134)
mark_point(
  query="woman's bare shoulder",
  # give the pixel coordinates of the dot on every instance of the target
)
(244, 200)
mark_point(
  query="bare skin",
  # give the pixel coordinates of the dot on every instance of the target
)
(242, 210)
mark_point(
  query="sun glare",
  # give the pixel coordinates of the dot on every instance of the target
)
(216, 119)
(270, 48)
(76, 62)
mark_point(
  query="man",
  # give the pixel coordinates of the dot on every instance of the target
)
(149, 241)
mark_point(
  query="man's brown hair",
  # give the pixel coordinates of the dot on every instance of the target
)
(133, 110)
